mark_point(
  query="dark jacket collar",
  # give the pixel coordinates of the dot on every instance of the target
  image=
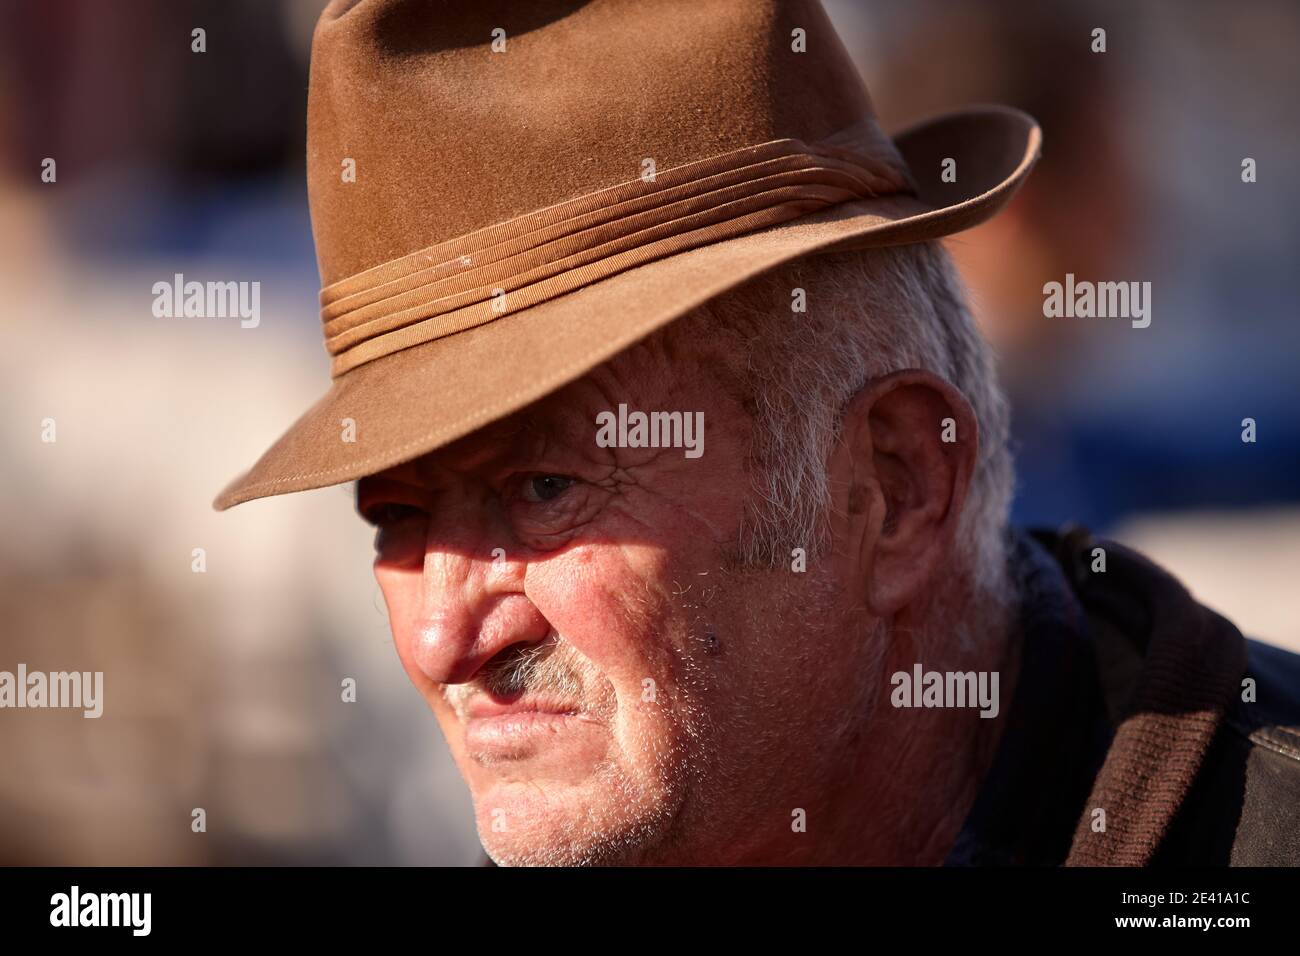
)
(1056, 733)
(1124, 681)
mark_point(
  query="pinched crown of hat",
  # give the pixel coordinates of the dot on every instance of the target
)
(505, 194)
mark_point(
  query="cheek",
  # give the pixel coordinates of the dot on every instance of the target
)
(612, 603)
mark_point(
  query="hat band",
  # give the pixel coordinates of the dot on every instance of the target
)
(512, 265)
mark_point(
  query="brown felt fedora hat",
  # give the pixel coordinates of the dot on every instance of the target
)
(505, 194)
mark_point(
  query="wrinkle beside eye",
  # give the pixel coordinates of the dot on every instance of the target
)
(546, 523)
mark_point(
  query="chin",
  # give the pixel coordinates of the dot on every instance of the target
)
(606, 819)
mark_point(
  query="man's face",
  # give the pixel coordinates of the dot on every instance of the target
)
(612, 687)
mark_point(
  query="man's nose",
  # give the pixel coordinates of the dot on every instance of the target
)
(473, 606)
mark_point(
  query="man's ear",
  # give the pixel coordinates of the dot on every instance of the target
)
(901, 472)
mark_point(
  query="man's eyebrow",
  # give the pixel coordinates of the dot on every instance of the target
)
(570, 428)
(498, 446)
(492, 447)
(529, 438)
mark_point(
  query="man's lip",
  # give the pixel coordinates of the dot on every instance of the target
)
(484, 705)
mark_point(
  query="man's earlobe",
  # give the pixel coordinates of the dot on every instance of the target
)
(910, 445)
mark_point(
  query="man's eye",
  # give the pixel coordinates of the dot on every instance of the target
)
(387, 515)
(540, 488)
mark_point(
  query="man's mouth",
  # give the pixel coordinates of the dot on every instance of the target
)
(515, 728)
(484, 705)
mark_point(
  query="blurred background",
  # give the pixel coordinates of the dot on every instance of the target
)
(223, 688)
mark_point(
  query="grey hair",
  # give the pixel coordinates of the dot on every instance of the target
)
(868, 313)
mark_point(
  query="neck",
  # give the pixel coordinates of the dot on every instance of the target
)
(934, 760)
(914, 772)
(894, 786)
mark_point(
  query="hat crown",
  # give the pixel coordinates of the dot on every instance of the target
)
(460, 115)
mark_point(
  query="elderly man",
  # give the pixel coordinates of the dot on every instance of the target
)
(690, 470)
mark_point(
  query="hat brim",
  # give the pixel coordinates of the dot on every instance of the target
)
(412, 402)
